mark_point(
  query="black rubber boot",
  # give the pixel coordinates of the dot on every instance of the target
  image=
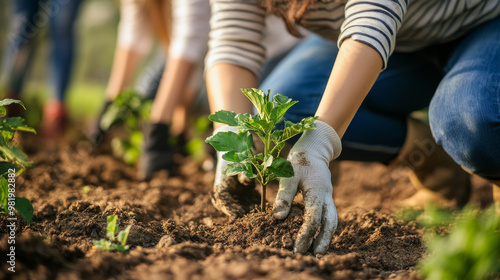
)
(96, 134)
(157, 153)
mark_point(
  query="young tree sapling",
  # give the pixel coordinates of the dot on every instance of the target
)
(238, 147)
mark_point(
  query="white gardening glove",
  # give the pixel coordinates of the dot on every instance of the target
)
(310, 158)
(232, 195)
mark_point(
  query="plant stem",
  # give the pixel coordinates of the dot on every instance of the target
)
(263, 199)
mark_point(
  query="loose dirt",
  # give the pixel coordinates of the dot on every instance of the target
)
(177, 234)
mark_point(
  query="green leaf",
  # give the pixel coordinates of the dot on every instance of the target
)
(120, 248)
(259, 157)
(268, 160)
(281, 167)
(268, 108)
(4, 194)
(237, 157)
(5, 166)
(292, 129)
(103, 244)
(14, 154)
(248, 122)
(127, 108)
(7, 134)
(230, 141)
(8, 101)
(15, 123)
(279, 99)
(3, 111)
(257, 97)
(226, 117)
(113, 115)
(235, 168)
(254, 123)
(24, 207)
(112, 228)
(279, 111)
(196, 149)
(123, 235)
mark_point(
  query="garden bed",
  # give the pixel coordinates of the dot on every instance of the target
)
(177, 234)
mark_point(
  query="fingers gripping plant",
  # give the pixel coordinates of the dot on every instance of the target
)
(268, 165)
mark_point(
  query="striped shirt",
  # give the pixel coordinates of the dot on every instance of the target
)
(236, 25)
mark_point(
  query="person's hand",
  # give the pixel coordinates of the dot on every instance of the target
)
(310, 158)
(232, 195)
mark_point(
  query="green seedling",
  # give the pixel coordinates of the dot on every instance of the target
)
(13, 162)
(469, 251)
(113, 241)
(196, 147)
(127, 109)
(461, 244)
(268, 165)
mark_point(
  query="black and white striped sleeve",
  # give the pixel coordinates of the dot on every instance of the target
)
(375, 23)
(236, 30)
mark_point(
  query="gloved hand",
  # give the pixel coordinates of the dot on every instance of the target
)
(310, 158)
(232, 195)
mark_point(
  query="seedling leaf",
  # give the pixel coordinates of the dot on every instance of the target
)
(16, 123)
(24, 207)
(281, 167)
(268, 161)
(257, 97)
(121, 238)
(230, 141)
(111, 228)
(8, 101)
(292, 129)
(226, 117)
(5, 166)
(235, 168)
(4, 194)
(237, 157)
(123, 235)
(283, 103)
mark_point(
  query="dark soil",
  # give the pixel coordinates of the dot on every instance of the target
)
(177, 234)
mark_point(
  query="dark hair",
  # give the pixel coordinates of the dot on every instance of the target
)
(292, 14)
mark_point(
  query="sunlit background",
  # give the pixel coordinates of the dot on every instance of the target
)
(96, 38)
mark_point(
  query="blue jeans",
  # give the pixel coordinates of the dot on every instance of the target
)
(462, 90)
(29, 18)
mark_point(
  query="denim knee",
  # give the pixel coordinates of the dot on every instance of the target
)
(466, 121)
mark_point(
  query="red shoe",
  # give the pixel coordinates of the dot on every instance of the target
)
(54, 121)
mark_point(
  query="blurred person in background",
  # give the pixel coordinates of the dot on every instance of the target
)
(182, 29)
(28, 20)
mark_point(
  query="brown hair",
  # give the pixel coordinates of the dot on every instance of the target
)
(292, 14)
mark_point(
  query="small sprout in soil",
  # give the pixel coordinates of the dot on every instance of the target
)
(267, 166)
(12, 163)
(114, 242)
(86, 189)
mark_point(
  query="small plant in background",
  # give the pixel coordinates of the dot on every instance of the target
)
(196, 146)
(127, 109)
(469, 248)
(115, 240)
(13, 163)
(267, 166)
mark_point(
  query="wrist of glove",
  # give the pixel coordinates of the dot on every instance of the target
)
(310, 158)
